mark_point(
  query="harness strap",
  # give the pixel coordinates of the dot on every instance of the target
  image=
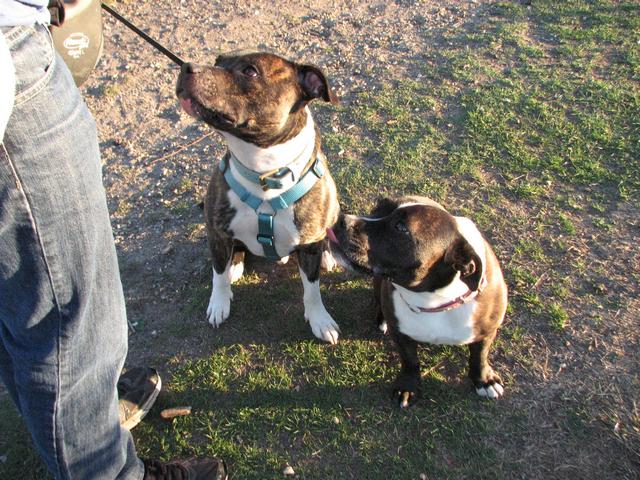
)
(284, 200)
(295, 193)
(244, 194)
(268, 180)
(265, 236)
(56, 9)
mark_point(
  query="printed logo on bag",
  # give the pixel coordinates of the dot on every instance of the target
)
(76, 44)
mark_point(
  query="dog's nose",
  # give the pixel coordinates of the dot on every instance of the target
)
(190, 68)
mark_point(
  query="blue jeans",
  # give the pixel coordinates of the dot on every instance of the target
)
(63, 329)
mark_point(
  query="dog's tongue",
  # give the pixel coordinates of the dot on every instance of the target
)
(332, 235)
(187, 106)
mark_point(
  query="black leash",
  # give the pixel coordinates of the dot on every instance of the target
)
(176, 59)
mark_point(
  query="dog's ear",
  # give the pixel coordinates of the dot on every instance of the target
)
(463, 258)
(384, 206)
(314, 84)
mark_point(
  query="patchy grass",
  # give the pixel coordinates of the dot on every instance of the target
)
(301, 403)
(527, 120)
(18, 459)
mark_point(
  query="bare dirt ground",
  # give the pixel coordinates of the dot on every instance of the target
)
(153, 174)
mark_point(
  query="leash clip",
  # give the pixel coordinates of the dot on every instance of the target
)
(273, 178)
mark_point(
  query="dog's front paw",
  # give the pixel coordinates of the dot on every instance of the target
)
(383, 327)
(489, 387)
(322, 325)
(405, 389)
(219, 306)
(328, 261)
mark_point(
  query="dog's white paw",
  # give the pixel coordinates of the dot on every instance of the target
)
(283, 260)
(219, 306)
(322, 325)
(493, 391)
(328, 262)
(236, 271)
(384, 328)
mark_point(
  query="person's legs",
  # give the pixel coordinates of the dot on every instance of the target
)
(63, 330)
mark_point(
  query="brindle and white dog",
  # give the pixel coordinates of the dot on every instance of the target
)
(436, 280)
(258, 102)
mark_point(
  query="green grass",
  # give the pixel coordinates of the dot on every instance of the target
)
(323, 410)
(558, 316)
(19, 457)
(529, 122)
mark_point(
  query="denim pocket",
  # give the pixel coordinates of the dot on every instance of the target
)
(33, 56)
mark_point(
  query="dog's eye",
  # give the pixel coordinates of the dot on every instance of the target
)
(250, 71)
(401, 227)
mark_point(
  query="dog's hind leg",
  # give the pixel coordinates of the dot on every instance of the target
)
(237, 262)
(328, 262)
(322, 325)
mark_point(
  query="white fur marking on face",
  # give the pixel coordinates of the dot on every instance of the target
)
(466, 228)
(322, 325)
(364, 219)
(472, 235)
(426, 203)
(402, 205)
(454, 327)
(221, 295)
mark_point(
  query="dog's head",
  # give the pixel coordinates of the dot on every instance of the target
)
(258, 97)
(416, 245)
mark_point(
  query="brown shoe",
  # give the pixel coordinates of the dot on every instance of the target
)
(195, 469)
(138, 389)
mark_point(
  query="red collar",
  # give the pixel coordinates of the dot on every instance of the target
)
(456, 302)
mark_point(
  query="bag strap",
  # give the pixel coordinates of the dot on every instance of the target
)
(56, 9)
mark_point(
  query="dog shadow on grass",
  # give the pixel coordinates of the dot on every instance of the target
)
(266, 346)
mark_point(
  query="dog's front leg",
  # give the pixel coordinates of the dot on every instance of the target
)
(322, 325)
(487, 382)
(380, 320)
(407, 385)
(221, 247)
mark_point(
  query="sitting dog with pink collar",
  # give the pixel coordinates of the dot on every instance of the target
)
(436, 280)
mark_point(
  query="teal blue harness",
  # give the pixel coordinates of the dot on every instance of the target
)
(270, 180)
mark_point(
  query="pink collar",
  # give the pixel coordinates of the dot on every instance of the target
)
(456, 302)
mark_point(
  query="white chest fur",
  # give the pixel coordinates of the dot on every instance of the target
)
(295, 154)
(454, 327)
(245, 227)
